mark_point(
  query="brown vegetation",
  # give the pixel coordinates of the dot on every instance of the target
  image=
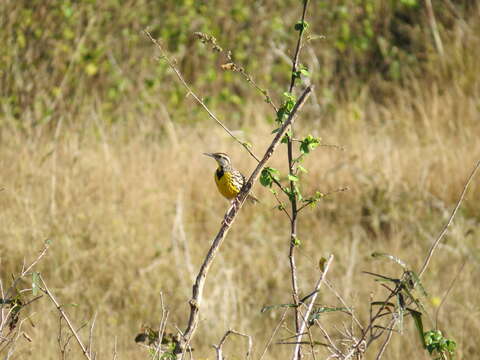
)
(131, 206)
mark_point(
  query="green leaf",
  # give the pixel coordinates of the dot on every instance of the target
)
(391, 257)
(268, 175)
(297, 191)
(319, 195)
(287, 106)
(308, 144)
(383, 303)
(270, 307)
(324, 309)
(292, 177)
(301, 26)
(382, 278)
(417, 318)
(305, 72)
(302, 169)
(436, 342)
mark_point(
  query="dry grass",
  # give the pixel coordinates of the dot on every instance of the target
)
(121, 203)
(128, 221)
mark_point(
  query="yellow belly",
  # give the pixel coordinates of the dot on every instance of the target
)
(225, 186)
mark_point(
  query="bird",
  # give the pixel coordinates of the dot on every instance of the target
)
(228, 179)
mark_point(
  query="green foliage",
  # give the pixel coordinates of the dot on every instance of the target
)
(301, 26)
(439, 346)
(390, 257)
(317, 312)
(279, 306)
(286, 108)
(268, 176)
(302, 70)
(432, 340)
(292, 178)
(313, 200)
(73, 54)
(309, 143)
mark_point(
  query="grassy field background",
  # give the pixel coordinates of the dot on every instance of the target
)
(101, 152)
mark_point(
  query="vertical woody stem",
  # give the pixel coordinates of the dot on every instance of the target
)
(293, 197)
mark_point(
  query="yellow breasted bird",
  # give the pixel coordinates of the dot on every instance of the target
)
(228, 179)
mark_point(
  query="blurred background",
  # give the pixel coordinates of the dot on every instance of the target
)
(101, 152)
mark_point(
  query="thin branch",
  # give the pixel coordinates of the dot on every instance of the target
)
(163, 326)
(387, 340)
(114, 356)
(26, 271)
(303, 325)
(310, 337)
(274, 332)
(450, 287)
(231, 65)
(331, 344)
(219, 350)
(197, 99)
(298, 47)
(293, 199)
(197, 291)
(281, 206)
(344, 303)
(90, 337)
(65, 317)
(449, 222)
(308, 202)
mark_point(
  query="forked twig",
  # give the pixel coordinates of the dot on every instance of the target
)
(219, 350)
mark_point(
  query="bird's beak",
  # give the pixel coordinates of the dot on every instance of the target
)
(208, 154)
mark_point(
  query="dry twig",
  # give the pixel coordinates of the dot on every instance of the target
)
(219, 350)
(449, 222)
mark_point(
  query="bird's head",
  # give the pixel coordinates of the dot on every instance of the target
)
(221, 158)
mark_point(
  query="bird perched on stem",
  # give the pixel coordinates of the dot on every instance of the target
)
(228, 179)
